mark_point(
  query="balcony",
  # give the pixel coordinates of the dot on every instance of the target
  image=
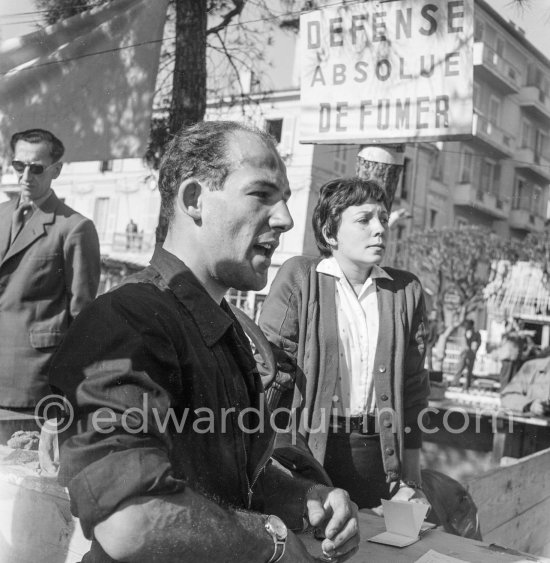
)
(534, 164)
(491, 138)
(472, 196)
(526, 220)
(533, 100)
(496, 70)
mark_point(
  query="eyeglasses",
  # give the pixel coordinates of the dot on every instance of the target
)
(36, 169)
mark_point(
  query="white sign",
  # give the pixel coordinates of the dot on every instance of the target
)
(390, 71)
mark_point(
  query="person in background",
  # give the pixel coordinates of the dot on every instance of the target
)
(131, 234)
(350, 340)
(49, 271)
(509, 355)
(529, 389)
(431, 338)
(172, 459)
(467, 358)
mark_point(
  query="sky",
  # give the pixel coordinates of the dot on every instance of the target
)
(16, 17)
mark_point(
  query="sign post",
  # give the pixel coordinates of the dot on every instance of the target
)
(382, 72)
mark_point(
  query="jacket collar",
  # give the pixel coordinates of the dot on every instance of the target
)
(35, 228)
(212, 319)
(330, 267)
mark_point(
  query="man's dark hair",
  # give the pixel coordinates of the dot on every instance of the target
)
(57, 150)
(334, 198)
(200, 151)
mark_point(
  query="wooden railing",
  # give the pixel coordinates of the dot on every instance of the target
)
(514, 503)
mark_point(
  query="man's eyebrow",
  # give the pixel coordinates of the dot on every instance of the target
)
(271, 186)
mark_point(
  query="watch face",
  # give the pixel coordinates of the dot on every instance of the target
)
(277, 526)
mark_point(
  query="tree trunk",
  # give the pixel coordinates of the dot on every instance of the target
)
(189, 80)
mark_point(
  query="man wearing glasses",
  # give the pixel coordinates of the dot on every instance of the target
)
(49, 270)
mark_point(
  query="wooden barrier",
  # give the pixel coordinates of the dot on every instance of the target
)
(514, 503)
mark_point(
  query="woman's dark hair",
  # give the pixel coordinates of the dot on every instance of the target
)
(334, 198)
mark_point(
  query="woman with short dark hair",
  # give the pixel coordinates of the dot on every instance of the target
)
(349, 336)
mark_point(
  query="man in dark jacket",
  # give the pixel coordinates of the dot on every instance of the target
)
(175, 449)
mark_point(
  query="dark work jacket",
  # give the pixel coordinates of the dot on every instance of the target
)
(162, 347)
(299, 318)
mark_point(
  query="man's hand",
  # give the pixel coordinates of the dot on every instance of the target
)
(537, 407)
(332, 510)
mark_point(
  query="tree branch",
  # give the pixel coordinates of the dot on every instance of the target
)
(226, 20)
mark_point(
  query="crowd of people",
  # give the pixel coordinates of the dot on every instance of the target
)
(171, 450)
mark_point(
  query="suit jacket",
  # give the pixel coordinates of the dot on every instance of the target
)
(299, 318)
(47, 276)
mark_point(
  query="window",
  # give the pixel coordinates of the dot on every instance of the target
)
(494, 110)
(466, 166)
(488, 175)
(106, 166)
(341, 159)
(239, 299)
(477, 97)
(478, 31)
(433, 218)
(101, 215)
(541, 140)
(526, 134)
(405, 180)
(275, 128)
(527, 197)
(438, 165)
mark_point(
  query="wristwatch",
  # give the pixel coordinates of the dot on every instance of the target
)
(276, 528)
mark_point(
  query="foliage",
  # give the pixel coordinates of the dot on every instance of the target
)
(536, 248)
(455, 261)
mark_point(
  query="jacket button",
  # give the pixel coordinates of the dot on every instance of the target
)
(389, 451)
(383, 397)
(382, 369)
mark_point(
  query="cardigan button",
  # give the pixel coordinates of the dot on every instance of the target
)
(383, 397)
(382, 369)
(389, 451)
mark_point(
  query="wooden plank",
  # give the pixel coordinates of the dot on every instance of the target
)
(455, 546)
(506, 492)
(529, 531)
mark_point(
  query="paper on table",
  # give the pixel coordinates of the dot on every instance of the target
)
(435, 557)
(403, 521)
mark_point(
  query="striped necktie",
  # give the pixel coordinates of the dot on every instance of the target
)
(20, 215)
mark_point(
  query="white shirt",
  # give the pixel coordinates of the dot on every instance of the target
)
(358, 327)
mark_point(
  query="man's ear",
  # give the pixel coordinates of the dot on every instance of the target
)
(190, 198)
(56, 169)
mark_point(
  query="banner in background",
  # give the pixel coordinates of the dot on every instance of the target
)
(379, 72)
(89, 79)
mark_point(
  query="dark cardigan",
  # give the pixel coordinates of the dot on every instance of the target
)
(299, 317)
